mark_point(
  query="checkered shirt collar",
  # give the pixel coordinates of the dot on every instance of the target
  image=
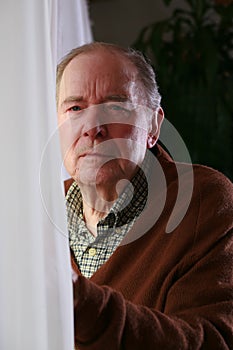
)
(127, 207)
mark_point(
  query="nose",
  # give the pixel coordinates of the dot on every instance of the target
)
(98, 132)
(95, 127)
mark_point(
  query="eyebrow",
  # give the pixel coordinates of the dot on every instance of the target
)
(117, 98)
(72, 99)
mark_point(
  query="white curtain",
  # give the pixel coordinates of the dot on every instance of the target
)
(35, 280)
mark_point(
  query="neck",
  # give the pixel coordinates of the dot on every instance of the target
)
(97, 202)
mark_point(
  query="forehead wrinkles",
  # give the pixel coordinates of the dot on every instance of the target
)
(103, 85)
(94, 75)
(99, 84)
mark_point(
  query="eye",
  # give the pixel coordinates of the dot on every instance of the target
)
(118, 109)
(75, 108)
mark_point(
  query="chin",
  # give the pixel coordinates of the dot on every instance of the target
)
(102, 177)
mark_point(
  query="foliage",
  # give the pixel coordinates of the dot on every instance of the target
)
(193, 54)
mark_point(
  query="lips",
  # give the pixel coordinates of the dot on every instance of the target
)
(95, 155)
(98, 151)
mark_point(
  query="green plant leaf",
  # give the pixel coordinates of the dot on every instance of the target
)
(192, 53)
(157, 37)
(167, 2)
(208, 54)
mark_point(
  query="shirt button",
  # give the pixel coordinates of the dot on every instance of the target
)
(92, 252)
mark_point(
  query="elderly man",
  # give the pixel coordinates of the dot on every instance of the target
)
(151, 240)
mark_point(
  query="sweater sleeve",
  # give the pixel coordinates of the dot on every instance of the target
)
(198, 311)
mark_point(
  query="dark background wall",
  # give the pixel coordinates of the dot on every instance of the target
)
(200, 110)
(119, 21)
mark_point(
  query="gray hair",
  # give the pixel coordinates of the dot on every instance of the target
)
(145, 71)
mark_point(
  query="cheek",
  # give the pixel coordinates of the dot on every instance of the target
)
(140, 136)
(130, 132)
(131, 148)
(69, 132)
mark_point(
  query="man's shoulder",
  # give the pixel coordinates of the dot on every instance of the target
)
(213, 182)
(203, 176)
(212, 198)
(199, 186)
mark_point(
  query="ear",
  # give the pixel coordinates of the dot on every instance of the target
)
(156, 122)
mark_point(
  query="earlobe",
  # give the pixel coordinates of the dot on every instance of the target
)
(151, 140)
(156, 126)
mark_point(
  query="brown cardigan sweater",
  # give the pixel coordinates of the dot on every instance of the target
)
(166, 290)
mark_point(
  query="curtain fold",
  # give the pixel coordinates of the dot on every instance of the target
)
(35, 277)
(73, 25)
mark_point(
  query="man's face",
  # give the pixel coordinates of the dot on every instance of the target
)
(104, 134)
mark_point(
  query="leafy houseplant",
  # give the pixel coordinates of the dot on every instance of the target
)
(192, 52)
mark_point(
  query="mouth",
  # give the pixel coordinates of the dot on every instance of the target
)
(95, 155)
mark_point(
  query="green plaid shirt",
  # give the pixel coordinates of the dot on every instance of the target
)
(91, 252)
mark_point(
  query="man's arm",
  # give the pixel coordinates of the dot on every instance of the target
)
(104, 319)
(198, 306)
